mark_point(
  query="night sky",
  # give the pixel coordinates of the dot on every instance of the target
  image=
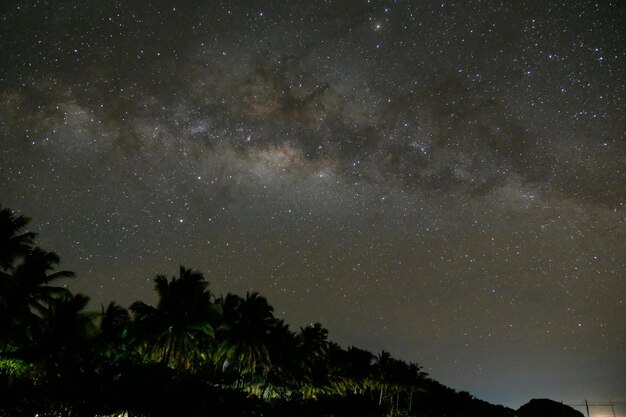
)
(444, 180)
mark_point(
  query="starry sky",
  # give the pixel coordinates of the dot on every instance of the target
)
(441, 179)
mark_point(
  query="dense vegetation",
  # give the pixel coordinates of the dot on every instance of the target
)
(193, 354)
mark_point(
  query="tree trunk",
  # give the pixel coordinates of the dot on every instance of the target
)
(265, 384)
(380, 398)
(168, 353)
(239, 377)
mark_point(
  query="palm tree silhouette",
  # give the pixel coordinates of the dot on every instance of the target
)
(113, 340)
(14, 243)
(243, 336)
(62, 333)
(286, 364)
(314, 341)
(383, 371)
(33, 276)
(314, 347)
(26, 293)
(179, 329)
(114, 319)
(396, 377)
(350, 371)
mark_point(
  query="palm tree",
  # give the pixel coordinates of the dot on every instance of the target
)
(179, 329)
(113, 340)
(14, 243)
(62, 333)
(114, 320)
(33, 276)
(243, 336)
(383, 364)
(286, 366)
(396, 377)
(314, 348)
(349, 370)
(416, 379)
(26, 292)
(314, 340)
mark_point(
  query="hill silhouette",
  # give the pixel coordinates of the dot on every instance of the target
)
(547, 408)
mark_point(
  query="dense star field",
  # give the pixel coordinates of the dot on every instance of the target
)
(444, 180)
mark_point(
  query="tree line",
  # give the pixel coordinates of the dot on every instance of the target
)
(192, 353)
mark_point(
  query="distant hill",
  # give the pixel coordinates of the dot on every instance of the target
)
(547, 408)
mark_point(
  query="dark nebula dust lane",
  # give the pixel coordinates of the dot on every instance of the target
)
(444, 180)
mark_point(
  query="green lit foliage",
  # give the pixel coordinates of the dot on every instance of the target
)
(16, 368)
